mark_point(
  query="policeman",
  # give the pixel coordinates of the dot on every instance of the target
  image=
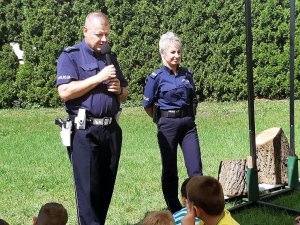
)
(173, 89)
(92, 91)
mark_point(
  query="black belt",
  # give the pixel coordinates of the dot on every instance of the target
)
(104, 121)
(175, 113)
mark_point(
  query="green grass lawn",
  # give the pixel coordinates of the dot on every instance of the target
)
(35, 169)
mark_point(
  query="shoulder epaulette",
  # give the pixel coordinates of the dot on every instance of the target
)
(71, 49)
(155, 73)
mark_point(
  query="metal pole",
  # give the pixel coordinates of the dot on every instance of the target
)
(252, 176)
(292, 59)
(249, 41)
(293, 175)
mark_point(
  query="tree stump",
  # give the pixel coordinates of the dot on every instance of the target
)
(272, 150)
(232, 176)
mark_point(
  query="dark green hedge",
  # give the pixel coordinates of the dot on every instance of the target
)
(213, 34)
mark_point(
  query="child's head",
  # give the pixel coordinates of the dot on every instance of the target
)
(183, 191)
(51, 213)
(206, 192)
(162, 217)
(3, 222)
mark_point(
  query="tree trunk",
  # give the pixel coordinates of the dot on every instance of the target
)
(232, 176)
(272, 150)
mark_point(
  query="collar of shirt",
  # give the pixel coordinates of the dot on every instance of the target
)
(89, 50)
(89, 53)
(168, 71)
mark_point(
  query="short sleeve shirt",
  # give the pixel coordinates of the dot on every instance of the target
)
(169, 90)
(177, 216)
(79, 62)
(225, 220)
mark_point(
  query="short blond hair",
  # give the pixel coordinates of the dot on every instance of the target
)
(169, 39)
(166, 41)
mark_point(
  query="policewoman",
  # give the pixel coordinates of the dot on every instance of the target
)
(168, 98)
(92, 89)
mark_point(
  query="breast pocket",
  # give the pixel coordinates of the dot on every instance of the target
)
(189, 87)
(185, 90)
(88, 70)
(170, 93)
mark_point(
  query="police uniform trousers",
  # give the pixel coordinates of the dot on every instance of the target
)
(171, 132)
(95, 155)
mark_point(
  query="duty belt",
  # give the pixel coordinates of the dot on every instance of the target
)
(175, 113)
(104, 121)
(100, 121)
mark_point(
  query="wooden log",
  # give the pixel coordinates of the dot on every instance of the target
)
(232, 176)
(272, 150)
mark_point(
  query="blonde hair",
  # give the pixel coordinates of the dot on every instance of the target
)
(166, 41)
(169, 39)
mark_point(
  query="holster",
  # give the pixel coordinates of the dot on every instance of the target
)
(155, 112)
(66, 130)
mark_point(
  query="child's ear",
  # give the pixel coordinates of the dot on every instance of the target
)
(183, 200)
(35, 220)
(195, 209)
(198, 211)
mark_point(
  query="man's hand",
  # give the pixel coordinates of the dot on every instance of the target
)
(114, 86)
(297, 220)
(107, 73)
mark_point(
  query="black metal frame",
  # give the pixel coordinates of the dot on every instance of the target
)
(253, 193)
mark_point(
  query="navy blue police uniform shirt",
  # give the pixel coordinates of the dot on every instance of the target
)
(171, 92)
(80, 62)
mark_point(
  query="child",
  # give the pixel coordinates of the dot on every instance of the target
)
(3, 222)
(51, 213)
(206, 201)
(181, 213)
(163, 217)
